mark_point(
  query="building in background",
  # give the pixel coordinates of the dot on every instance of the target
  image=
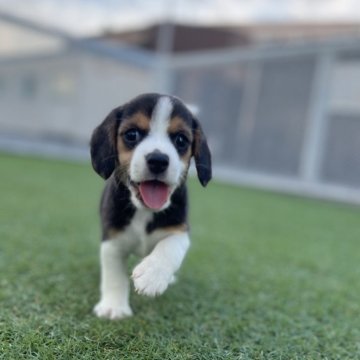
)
(55, 86)
(280, 103)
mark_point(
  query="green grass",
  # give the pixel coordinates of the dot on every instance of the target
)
(267, 276)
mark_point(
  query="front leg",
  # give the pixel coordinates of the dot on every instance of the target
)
(114, 302)
(156, 271)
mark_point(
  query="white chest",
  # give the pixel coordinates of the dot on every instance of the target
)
(135, 233)
(138, 224)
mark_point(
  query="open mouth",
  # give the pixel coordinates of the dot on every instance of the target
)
(152, 193)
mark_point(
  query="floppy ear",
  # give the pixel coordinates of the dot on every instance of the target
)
(201, 153)
(103, 144)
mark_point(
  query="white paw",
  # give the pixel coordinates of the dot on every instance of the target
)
(112, 310)
(151, 278)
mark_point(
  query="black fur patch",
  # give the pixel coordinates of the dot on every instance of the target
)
(202, 155)
(143, 103)
(103, 144)
(116, 208)
(181, 111)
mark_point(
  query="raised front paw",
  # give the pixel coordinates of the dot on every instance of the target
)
(112, 310)
(151, 277)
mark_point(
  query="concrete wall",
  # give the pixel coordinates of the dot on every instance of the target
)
(15, 40)
(65, 96)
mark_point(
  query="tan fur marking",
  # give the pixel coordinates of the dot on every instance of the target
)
(124, 156)
(186, 157)
(124, 153)
(138, 120)
(177, 229)
(113, 233)
(196, 142)
(178, 124)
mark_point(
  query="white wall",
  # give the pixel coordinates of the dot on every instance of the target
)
(65, 96)
(104, 85)
(15, 41)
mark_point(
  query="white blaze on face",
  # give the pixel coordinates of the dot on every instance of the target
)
(161, 116)
(158, 140)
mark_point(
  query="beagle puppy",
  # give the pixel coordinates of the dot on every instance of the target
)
(143, 150)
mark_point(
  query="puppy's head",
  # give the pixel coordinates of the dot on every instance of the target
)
(149, 142)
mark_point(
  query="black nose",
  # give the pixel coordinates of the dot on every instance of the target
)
(157, 162)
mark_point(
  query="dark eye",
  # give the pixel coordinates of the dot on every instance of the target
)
(181, 142)
(132, 136)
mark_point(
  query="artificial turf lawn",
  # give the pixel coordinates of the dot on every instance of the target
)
(267, 276)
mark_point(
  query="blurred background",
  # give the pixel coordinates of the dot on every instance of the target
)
(277, 82)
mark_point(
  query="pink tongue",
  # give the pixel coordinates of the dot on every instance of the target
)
(154, 193)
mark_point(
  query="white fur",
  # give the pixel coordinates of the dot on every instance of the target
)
(161, 115)
(193, 108)
(156, 271)
(165, 252)
(157, 139)
(114, 303)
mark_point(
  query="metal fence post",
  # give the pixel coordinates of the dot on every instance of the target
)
(317, 122)
(247, 114)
